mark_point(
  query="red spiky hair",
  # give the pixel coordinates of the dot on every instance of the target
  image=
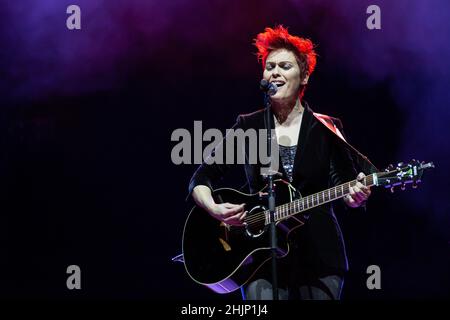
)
(279, 38)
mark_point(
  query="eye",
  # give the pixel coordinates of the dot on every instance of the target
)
(270, 66)
(286, 65)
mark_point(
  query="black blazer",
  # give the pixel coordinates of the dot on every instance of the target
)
(321, 161)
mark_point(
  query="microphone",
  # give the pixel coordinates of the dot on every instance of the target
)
(267, 87)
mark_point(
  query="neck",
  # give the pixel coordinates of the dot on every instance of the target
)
(284, 109)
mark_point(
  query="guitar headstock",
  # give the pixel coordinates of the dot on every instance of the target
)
(403, 174)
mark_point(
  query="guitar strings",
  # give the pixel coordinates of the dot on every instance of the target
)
(259, 217)
(288, 207)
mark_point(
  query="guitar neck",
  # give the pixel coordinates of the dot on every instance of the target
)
(314, 200)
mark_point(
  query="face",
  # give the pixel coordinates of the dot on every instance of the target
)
(283, 70)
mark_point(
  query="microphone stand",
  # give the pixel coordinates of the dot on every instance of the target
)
(271, 198)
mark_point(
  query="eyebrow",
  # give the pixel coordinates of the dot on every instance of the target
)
(284, 61)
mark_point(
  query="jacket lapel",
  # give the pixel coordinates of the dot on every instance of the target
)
(305, 128)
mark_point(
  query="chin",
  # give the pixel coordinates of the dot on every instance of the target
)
(280, 97)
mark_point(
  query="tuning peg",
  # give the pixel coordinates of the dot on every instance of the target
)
(392, 189)
(400, 164)
(403, 187)
(390, 167)
(415, 185)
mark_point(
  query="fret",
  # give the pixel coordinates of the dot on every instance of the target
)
(305, 203)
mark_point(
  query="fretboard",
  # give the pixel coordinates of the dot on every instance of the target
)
(314, 200)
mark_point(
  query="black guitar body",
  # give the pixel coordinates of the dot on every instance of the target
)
(224, 257)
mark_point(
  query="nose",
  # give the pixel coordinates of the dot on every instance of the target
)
(275, 72)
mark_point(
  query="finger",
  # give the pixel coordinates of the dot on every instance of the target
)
(360, 193)
(359, 197)
(356, 189)
(360, 185)
(360, 176)
(234, 207)
(261, 194)
(232, 212)
(352, 192)
(234, 220)
(356, 194)
(366, 191)
(350, 201)
(230, 205)
(362, 188)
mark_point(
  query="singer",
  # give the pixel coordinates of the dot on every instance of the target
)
(311, 159)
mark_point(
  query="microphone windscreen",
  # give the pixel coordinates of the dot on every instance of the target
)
(264, 84)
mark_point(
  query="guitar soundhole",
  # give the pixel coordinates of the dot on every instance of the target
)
(256, 222)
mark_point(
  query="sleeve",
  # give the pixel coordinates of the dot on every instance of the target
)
(209, 174)
(342, 168)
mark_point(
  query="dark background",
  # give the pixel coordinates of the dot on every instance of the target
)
(87, 117)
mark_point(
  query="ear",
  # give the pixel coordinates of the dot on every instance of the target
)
(305, 80)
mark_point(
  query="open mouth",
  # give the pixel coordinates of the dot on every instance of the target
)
(279, 83)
